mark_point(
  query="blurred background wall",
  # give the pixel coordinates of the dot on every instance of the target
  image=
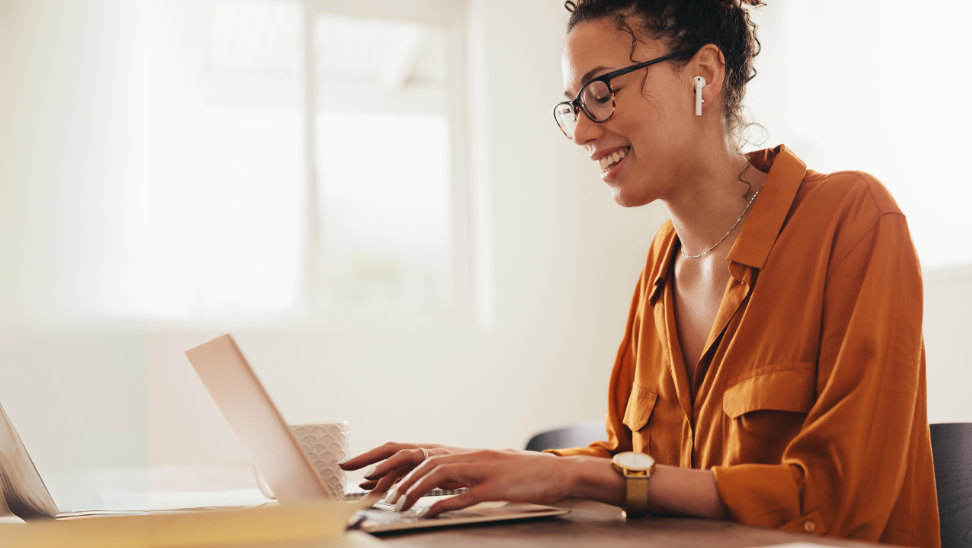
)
(74, 242)
(424, 255)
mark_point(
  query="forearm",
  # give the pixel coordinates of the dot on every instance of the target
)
(671, 490)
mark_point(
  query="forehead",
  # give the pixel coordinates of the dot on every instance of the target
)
(599, 44)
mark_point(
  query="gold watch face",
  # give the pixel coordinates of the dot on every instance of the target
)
(634, 461)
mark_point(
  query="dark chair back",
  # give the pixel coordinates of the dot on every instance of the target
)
(578, 435)
(952, 451)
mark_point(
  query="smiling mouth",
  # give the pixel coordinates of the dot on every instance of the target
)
(607, 162)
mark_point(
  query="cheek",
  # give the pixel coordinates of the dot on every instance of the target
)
(650, 118)
(646, 129)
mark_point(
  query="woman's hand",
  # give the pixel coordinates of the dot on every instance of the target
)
(525, 476)
(513, 476)
(399, 459)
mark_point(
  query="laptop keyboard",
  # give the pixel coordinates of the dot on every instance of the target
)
(379, 516)
(384, 514)
(355, 495)
(384, 517)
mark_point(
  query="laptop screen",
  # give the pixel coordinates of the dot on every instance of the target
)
(255, 420)
(20, 484)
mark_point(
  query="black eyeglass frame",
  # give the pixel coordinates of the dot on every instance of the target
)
(576, 104)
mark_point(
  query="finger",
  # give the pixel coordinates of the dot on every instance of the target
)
(440, 474)
(428, 464)
(415, 475)
(377, 454)
(448, 486)
(464, 500)
(406, 458)
(388, 480)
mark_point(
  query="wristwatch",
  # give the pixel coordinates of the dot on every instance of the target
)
(636, 468)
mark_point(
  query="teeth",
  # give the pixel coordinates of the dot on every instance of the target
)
(612, 158)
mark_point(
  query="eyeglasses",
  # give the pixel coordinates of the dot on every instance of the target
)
(596, 98)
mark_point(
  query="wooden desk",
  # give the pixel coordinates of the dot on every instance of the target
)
(595, 524)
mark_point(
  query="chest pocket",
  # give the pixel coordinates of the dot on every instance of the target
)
(782, 387)
(636, 415)
(766, 409)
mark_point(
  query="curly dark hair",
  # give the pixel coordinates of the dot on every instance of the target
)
(688, 25)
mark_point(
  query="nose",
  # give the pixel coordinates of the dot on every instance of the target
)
(586, 130)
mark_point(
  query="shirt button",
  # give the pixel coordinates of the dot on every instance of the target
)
(809, 526)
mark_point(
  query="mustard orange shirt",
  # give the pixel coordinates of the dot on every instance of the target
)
(809, 403)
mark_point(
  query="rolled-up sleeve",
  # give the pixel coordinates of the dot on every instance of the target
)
(843, 472)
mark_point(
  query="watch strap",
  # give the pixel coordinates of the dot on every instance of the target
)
(636, 496)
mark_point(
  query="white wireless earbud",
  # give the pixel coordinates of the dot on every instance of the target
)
(699, 84)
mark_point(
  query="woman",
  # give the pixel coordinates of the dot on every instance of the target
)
(772, 364)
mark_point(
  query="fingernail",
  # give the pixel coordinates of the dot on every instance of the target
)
(370, 470)
(391, 497)
(340, 462)
(401, 504)
(423, 512)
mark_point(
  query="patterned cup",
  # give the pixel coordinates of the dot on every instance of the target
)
(325, 445)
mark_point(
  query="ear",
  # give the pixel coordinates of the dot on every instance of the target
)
(708, 63)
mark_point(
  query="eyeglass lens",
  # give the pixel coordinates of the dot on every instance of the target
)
(595, 100)
(566, 119)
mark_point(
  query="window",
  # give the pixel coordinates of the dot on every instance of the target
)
(383, 157)
(246, 223)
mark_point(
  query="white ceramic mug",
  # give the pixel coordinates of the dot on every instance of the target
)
(325, 445)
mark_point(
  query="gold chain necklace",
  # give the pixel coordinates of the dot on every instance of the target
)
(706, 252)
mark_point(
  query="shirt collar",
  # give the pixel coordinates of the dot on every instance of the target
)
(663, 267)
(785, 172)
(762, 227)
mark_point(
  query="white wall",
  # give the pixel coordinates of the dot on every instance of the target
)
(947, 324)
(73, 243)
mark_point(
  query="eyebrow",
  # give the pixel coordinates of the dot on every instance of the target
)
(587, 76)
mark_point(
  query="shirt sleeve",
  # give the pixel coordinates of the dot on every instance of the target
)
(841, 474)
(619, 436)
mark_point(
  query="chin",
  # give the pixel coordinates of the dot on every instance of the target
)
(625, 198)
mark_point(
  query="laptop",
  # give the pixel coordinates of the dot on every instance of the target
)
(288, 471)
(25, 495)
